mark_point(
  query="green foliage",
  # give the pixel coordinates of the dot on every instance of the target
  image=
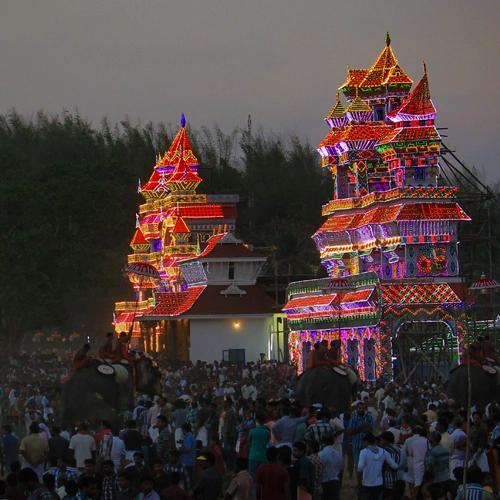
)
(68, 196)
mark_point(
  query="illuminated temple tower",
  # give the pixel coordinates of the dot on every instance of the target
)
(172, 225)
(389, 241)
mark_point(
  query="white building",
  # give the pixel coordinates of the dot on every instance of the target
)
(223, 313)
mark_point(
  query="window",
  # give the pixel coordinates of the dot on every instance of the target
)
(419, 174)
(230, 272)
(379, 114)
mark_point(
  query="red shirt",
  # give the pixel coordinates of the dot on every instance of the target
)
(101, 434)
(272, 482)
(219, 459)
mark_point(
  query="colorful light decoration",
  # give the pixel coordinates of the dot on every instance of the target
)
(388, 221)
(170, 226)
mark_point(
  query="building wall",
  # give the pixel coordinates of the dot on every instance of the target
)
(209, 337)
(245, 271)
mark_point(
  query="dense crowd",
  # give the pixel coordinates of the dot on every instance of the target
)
(236, 432)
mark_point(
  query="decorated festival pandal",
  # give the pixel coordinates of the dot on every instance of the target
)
(172, 225)
(390, 228)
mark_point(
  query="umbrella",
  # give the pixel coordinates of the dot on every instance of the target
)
(142, 269)
(483, 284)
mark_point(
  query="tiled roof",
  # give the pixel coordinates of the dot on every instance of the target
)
(333, 137)
(432, 211)
(331, 299)
(358, 105)
(385, 70)
(208, 301)
(180, 226)
(365, 132)
(419, 101)
(310, 301)
(180, 143)
(354, 77)
(183, 173)
(391, 213)
(204, 211)
(337, 110)
(138, 238)
(172, 304)
(379, 215)
(408, 134)
(396, 75)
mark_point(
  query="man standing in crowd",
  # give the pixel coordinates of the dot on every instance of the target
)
(82, 444)
(34, 450)
(271, 479)
(360, 423)
(332, 468)
(370, 465)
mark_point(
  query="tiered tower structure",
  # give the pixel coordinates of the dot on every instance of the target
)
(389, 242)
(172, 225)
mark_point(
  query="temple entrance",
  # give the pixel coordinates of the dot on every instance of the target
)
(423, 351)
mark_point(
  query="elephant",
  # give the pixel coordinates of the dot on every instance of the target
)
(332, 387)
(485, 384)
(102, 391)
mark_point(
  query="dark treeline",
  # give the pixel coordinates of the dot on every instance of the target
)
(68, 196)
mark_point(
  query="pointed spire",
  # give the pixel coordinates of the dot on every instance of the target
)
(183, 178)
(139, 186)
(180, 147)
(180, 226)
(418, 105)
(138, 241)
(359, 109)
(137, 221)
(358, 104)
(384, 67)
(336, 115)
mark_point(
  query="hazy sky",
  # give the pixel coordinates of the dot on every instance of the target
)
(279, 60)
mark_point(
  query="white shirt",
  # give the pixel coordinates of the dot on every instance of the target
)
(152, 495)
(379, 394)
(415, 448)
(117, 452)
(338, 426)
(371, 462)
(332, 463)
(82, 445)
(459, 437)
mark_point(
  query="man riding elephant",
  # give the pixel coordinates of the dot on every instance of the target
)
(101, 389)
(107, 351)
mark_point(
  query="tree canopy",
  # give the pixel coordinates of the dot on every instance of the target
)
(69, 194)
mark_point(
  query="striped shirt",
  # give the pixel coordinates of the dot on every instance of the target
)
(390, 475)
(318, 431)
(357, 421)
(61, 477)
(474, 492)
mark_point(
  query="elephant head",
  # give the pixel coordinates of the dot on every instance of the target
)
(328, 386)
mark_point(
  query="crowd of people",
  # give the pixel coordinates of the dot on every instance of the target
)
(220, 431)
